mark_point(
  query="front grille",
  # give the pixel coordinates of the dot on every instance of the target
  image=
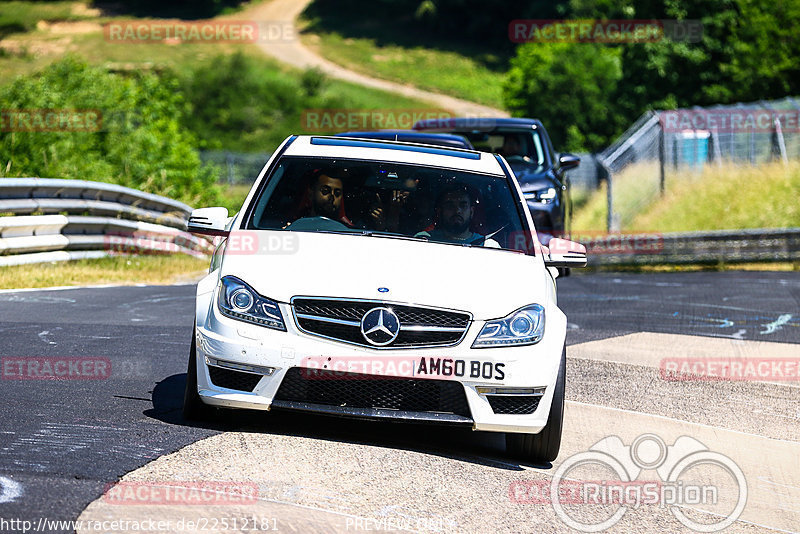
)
(419, 326)
(355, 390)
(514, 404)
(228, 378)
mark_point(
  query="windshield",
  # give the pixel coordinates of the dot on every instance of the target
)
(514, 145)
(377, 199)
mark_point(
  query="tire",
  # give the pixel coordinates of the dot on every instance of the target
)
(564, 271)
(544, 446)
(194, 409)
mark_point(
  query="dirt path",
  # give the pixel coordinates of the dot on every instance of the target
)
(293, 52)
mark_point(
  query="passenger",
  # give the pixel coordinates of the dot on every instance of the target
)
(419, 212)
(455, 209)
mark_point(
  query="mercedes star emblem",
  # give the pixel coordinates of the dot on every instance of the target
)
(380, 326)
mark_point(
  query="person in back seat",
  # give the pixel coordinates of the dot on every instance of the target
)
(455, 209)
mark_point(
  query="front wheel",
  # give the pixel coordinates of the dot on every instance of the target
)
(194, 409)
(544, 446)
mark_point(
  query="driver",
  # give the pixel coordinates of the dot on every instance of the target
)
(511, 147)
(454, 211)
(323, 203)
(326, 195)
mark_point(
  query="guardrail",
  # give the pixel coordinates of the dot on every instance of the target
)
(124, 220)
(81, 219)
(726, 246)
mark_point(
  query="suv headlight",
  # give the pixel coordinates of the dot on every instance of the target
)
(239, 301)
(545, 196)
(522, 327)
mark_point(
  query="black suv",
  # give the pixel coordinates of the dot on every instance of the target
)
(524, 143)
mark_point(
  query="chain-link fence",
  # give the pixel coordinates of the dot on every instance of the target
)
(685, 141)
(587, 175)
(235, 168)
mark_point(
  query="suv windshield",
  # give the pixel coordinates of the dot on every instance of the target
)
(514, 145)
(372, 198)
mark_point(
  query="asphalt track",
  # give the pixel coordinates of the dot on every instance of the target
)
(62, 443)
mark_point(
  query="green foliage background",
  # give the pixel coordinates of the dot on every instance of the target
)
(141, 143)
(749, 51)
(586, 93)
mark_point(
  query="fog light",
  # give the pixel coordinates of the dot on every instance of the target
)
(255, 369)
(487, 390)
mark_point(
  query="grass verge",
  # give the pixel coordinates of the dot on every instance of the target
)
(233, 196)
(125, 270)
(407, 50)
(729, 197)
(463, 77)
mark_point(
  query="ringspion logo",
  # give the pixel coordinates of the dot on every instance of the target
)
(609, 476)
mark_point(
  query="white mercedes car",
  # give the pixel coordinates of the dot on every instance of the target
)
(380, 279)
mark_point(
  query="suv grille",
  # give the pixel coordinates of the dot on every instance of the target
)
(354, 390)
(340, 319)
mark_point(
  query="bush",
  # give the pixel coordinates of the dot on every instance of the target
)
(570, 87)
(140, 142)
(239, 105)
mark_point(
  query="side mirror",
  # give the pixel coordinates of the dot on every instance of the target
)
(209, 221)
(565, 253)
(568, 161)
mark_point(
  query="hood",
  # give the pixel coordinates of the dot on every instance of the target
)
(489, 283)
(532, 177)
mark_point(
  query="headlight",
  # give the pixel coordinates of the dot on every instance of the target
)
(239, 301)
(522, 327)
(545, 196)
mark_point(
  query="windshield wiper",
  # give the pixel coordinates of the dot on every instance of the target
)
(378, 233)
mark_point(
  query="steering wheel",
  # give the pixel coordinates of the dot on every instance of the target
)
(318, 222)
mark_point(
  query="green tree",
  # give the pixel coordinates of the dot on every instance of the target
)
(139, 141)
(237, 104)
(570, 87)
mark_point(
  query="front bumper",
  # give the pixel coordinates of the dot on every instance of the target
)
(275, 355)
